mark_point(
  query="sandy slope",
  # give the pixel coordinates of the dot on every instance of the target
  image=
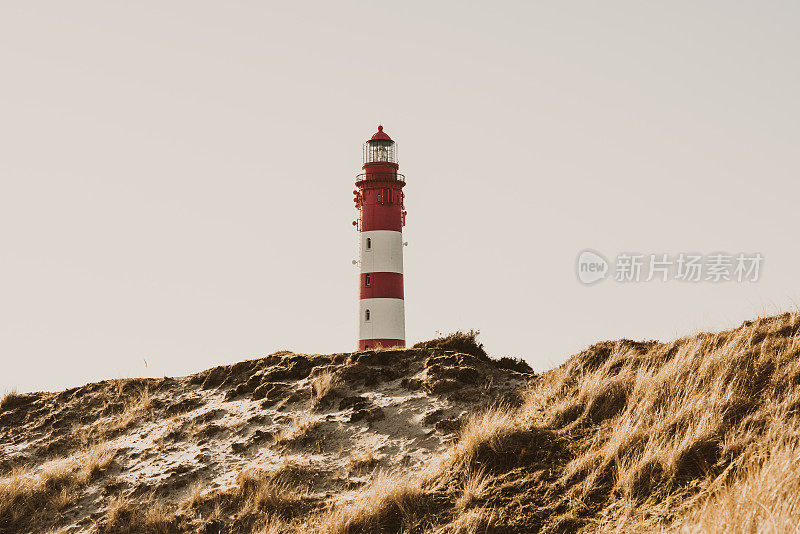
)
(388, 410)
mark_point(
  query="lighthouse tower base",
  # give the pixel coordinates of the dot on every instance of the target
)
(366, 344)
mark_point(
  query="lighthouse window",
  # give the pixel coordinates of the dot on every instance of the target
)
(379, 197)
(367, 279)
(369, 243)
(366, 315)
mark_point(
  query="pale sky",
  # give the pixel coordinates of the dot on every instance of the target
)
(176, 177)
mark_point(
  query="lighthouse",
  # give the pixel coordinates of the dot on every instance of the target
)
(381, 217)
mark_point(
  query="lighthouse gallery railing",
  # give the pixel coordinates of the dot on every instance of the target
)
(381, 177)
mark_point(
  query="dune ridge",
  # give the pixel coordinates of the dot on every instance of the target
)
(694, 435)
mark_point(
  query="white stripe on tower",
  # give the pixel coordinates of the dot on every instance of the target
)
(381, 251)
(387, 319)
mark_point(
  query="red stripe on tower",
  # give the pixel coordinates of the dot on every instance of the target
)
(381, 285)
(379, 200)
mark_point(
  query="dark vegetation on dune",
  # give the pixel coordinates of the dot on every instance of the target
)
(698, 434)
(467, 343)
(463, 342)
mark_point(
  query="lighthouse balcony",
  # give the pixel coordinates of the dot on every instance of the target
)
(380, 177)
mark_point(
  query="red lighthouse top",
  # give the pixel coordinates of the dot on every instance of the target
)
(380, 152)
(380, 135)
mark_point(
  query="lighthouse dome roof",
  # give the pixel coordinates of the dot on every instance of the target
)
(380, 135)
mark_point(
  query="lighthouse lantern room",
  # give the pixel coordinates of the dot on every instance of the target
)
(379, 200)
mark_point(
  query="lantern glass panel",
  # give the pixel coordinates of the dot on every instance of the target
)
(380, 151)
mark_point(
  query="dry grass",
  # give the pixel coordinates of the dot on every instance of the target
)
(117, 511)
(261, 501)
(387, 504)
(196, 494)
(10, 399)
(63, 499)
(30, 496)
(137, 408)
(137, 405)
(678, 422)
(763, 496)
(475, 521)
(274, 525)
(256, 504)
(261, 492)
(324, 386)
(298, 430)
(392, 502)
(625, 436)
(362, 462)
(294, 473)
(126, 516)
(473, 489)
(487, 430)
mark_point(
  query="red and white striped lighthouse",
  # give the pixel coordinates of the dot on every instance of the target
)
(379, 200)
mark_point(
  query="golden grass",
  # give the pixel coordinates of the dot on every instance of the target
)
(395, 501)
(258, 503)
(323, 386)
(126, 516)
(118, 511)
(705, 429)
(196, 493)
(763, 496)
(260, 492)
(137, 407)
(691, 412)
(487, 429)
(387, 504)
(274, 525)
(297, 430)
(475, 521)
(293, 473)
(472, 489)
(362, 461)
(63, 499)
(29, 495)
